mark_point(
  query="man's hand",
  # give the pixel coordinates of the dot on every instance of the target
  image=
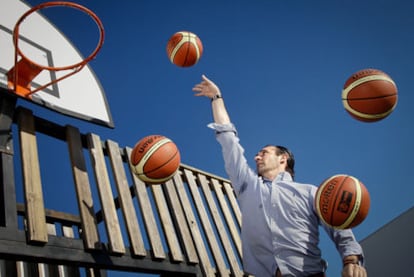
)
(209, 89)
(354, 270)
(206, 88)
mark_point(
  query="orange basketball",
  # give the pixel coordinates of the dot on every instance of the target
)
(184, 49)
(155, 159)
(369, 95)
(342, 201)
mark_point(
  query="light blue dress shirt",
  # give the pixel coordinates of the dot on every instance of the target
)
(280, 228)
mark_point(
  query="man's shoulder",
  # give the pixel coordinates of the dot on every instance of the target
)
(305, 187)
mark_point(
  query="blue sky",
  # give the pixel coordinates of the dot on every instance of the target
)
(281, 66)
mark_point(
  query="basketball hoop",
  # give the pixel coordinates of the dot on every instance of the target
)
(25, 70)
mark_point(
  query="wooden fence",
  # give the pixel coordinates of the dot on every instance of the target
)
(189, 226)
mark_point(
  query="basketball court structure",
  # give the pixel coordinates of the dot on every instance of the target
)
(39, 63)
(186, 226)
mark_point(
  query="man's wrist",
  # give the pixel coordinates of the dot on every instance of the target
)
(352, 259)
(215, 97)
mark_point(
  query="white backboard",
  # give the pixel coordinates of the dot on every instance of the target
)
(80, 95)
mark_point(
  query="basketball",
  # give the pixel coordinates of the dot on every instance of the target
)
(155, 159)
(342, 201)
(369, 95)
(184, 49)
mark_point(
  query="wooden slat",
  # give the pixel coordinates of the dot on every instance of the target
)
(205, 222)
(147, 213)
(8, 214)
(116, 243)
(125, 200)
(96, 272)
(26, 269)
(166, 223)
(67, 231)
(206, 266)
(3, 268)
(177, 213)
(214, 206)
(234, 231)
(233, 201)
(8, 268)
(35, 210)
(83, 190)
(68, 271)
(231, 257)
(22, 269)
(50, 270)
(43, 270)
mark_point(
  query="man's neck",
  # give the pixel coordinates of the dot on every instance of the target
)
(271, 175)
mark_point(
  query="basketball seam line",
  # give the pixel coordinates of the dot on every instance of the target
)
(146, 156)
(169, 160)
(365, 115)
(357, 204)
(336, 198)
(186, 38)
(367, 98)
(363, 80)
(318, 198)
(358, 82)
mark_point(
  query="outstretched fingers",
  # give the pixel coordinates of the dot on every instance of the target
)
(205, 88)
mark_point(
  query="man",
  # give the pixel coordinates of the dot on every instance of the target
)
(280, 229)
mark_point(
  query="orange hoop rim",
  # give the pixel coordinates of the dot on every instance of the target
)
(78, 65)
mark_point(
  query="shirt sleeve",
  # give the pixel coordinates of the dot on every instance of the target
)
(345, 241)
(235, 163)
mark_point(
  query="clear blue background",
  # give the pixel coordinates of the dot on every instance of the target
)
(281, 66)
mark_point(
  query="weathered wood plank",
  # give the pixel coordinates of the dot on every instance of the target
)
(8, 268)
(90, 233)
(207, 225)
(125, 200)
(35, 210)
(166, 223)
(233, 201)
(3, 268)
(111, 221)
(22, 269)
(68, 271)
(147, 213)
(225, 240)
(8, 215)
(177, 213)
(206, 265)
(234, 231)
(46, 270)
(65, 251)
(201, 222)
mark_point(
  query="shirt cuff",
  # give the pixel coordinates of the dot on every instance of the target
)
(361, 260)
(221, 128)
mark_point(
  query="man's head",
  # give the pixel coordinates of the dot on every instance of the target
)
(273, 159)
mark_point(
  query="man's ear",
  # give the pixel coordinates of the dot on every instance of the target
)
(283, 159)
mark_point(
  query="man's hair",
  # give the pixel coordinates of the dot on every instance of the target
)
(290, 167)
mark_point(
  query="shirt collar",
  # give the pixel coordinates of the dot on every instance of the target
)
(282, 176)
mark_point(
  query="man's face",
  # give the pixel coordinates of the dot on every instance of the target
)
(267, 161)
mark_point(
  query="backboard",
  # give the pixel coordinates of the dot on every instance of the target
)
(80, 95)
